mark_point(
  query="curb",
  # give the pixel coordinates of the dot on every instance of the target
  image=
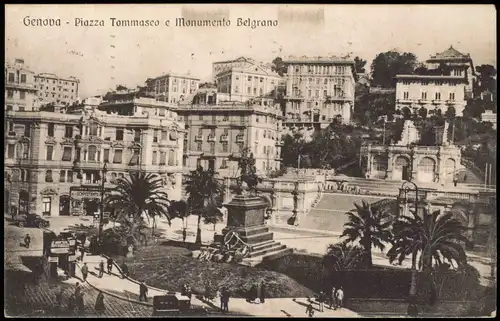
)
(116, 295)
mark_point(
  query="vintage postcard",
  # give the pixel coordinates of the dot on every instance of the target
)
(250, 160)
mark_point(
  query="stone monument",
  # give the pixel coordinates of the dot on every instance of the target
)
(246, 216)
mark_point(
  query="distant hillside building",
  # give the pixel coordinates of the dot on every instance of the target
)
(317, 90)
(243, 84)
(20, 89)
(55, 89)
(460, 64)
(241, 62)
(172, 88)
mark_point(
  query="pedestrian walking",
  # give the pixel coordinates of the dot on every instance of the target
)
(71, 304)
(218, 297)
(80, 304)
(262, 292)
(321, 300)
(333, 299)
(310, 310)
(27, 240)
(78, 289)
(99, 303)
(143, 292)
(59, 297)
(340, 297)
(101, 269)
(110, 265)
(85, 271)
(82, 252)
(124, 268)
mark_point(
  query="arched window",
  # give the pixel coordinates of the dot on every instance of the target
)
(92, 153)
(427, 165)
(379, 164)
(48, 176)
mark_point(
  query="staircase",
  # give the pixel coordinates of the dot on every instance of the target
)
(372, 186)
(471, 174)
(262, 246)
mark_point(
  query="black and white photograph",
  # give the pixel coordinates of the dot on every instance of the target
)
(250, 160)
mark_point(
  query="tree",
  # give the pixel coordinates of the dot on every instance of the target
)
(279, 66)
(203, 189)
(343, 256)
(433, 237)
(140, 193)
(422, 112)
(486, 78)
(121, 88)
(359, 65)
(370, 226)
(387, 65)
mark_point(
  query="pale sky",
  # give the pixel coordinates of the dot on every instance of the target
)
(142, 52)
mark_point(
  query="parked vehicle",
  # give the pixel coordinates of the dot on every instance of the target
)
(31, 220)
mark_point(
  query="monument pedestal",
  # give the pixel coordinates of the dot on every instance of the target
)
(246, 217)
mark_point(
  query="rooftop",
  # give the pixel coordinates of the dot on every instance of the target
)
(322, 60)
(170, 74)
(450, 53)
(51, 75)
(234, 60)
(439, 77)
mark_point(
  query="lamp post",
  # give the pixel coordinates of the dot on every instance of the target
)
(103, 180)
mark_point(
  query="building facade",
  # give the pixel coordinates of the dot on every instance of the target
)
(241, 63)
(20, 89)
(431, 92)
(243, 84)
(460, 66)
(54, 161)
(317, 90)
(55, 89)
(172, 88)
(217, 134)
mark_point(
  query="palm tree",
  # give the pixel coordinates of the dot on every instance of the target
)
(140, 193)
(434, 236)
(343, 256)
(203, 189)
(370, 226)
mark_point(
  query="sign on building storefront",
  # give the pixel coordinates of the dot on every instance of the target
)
(78, 195)
(53, 259)
(60, 247)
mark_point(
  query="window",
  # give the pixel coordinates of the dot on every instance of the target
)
(92, 153)
(48, 176)
(137, 135)
(119, 135)
(438, 96)
(309, 93)
(11, 77)
(200, 117)
(155, 158)
(155, 136)
(325, 81)
(117, 157)
(171, 158)
(22, 95)
(50, 130)
(198, 147)
(10, 93)
(255, 91)
(261, 79)
(236, 89)
(452, 96)
(163, 158)
(93, 129)
(11, 149)
(424, 95)
(249, 78)
(406, 95)
(67, 154)
(317, 93)
(50, 152)
(69, 176)
(25, 175)
(106, 155)
(9, 108)
(47, 204)
(249, 90)
(225, 117)
(62, 176)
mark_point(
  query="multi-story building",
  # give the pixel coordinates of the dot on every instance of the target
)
(460, 66)
(243, 84)
(55, 89)
(54, 161)
(217, 134)
(318, 89)
(431, 92)
(172, 88)
(20, 90)
(241, 63)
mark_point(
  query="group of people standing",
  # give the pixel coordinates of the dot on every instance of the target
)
(76, 301)
(336, 300)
